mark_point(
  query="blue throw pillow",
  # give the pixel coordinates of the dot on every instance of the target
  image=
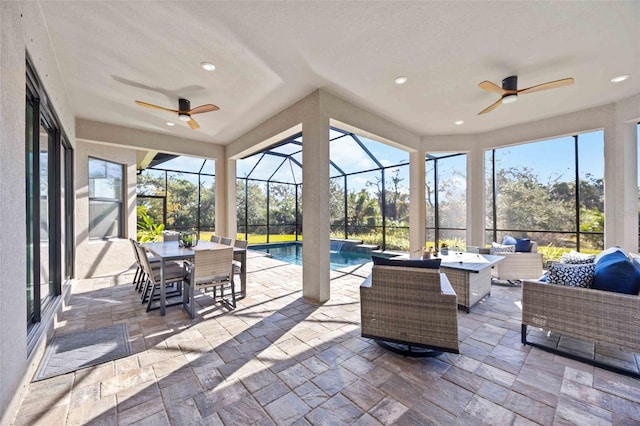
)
(615, 272)
(523, 245)
(426, 263)
(610, 250)
(509, 241)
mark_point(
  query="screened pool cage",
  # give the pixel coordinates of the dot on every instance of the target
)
(369, 191)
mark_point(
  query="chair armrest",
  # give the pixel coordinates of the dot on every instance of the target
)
(445, 285)
(367, 282)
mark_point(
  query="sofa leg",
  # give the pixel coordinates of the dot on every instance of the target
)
(523, 334)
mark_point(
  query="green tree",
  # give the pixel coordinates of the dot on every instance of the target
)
(362, 210)
(182, 202)
(282, 206)
(255, 207)
(336, 201)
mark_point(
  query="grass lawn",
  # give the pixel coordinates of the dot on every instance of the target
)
(256, 239)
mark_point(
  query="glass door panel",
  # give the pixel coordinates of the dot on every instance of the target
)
(46, 280)
(29, 169)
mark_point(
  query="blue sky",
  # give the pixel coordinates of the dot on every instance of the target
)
(550, 158)
(555, 157)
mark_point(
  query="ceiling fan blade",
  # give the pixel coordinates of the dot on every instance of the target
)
(204, 108)
(548, 85)
(192, 123)
(491, 107)
(491, 87)
(144, 104)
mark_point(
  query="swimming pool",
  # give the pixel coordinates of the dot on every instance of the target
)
(292, 253)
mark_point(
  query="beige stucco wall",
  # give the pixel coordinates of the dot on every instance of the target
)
(96, 258)
(22, 29)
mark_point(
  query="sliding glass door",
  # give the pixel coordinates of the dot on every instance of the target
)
(49, 203)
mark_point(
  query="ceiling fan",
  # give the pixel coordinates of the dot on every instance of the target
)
(509, 91)
(184, 110)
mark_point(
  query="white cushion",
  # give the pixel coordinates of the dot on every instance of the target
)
(501, 248)
(575, 257)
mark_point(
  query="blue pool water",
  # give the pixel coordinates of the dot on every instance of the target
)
(292, 253)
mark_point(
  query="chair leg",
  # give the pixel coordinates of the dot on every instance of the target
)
(189, 298)
(233, 294)
(145, 291)
(151, 296)
(136, 278)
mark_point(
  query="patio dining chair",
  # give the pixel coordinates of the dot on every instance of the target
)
(215, 238)
(226, 241)
(173, 277)
(170, 236)
(237, 257)
(140, 276)
(209, 269)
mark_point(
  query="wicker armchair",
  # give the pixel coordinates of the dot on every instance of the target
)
(598, 316)
(412, 306)
(519, 266)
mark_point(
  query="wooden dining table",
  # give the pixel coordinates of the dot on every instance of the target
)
(171, 250)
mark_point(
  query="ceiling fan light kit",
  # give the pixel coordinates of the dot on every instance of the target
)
(509, 99)
(509, 91)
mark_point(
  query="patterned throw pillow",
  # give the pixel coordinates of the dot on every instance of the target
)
(573, 275)
(502, 248)
(574, 257)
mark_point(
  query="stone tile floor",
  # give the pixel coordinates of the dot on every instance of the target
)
(279, 359)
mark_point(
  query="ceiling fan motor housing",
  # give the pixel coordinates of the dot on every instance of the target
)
(510, 83)
(184, 105)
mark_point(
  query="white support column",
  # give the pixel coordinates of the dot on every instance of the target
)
(231, 204)
(315, 202)
(621, 185)
(222, 198)
(475, 198)
(417, 203)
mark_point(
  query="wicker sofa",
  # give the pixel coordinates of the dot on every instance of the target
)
(518, 266)
(411, 306)
(598, 316)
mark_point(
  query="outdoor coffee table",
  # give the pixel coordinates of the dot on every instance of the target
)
(469, 275)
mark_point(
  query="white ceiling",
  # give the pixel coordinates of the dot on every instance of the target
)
(270, 54)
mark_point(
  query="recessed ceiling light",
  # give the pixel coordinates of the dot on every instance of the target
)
(208, 66)
(459, 122)
(401, 80)
(620, 78)
(170, 124)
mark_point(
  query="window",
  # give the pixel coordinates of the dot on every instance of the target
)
(178, 192)
(105, 199)
(550, 191)
(446, 195)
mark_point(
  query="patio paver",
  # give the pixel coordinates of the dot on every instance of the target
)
(279, 359)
